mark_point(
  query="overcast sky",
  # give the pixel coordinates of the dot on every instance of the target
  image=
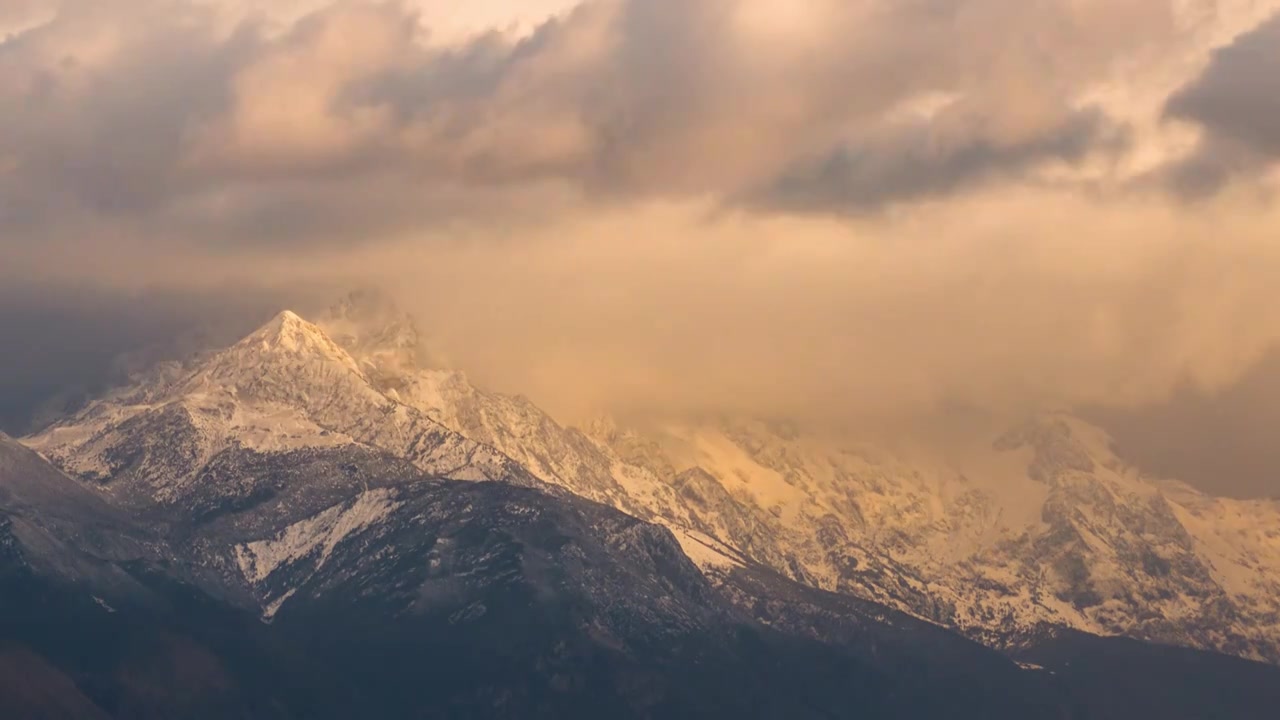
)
(866, 211)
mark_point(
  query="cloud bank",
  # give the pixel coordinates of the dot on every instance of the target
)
(869, 210)
(204, 127)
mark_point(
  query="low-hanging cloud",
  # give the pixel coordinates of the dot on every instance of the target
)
(1005, 303)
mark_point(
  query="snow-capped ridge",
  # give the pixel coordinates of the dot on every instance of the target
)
(1040, 524)
(284, 387)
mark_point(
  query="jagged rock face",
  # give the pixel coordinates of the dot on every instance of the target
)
(1070, 538)
(518, 428)
(475, 538)
(1113, 549)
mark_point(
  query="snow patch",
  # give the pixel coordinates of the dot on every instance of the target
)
(705, 551)
(319, 534)
(273, 607)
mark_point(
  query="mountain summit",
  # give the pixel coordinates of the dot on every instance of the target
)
(284, 387)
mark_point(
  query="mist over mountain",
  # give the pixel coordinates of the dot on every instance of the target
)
(74, 346)
(221, 509)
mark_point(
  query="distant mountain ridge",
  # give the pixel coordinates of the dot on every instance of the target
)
(1043, 525)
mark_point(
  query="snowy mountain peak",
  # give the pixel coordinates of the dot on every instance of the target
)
(287, 386)
(286, 352)
(288, 331)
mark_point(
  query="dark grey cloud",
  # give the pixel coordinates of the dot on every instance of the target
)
(1222, 441)
(1236, 102)
(66, 343)
(915, 161)
(77, 132)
